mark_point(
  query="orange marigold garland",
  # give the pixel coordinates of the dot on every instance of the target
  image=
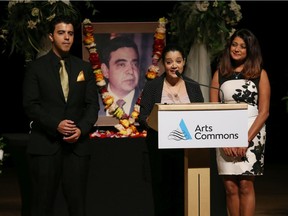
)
(126, 125)
(158, 46)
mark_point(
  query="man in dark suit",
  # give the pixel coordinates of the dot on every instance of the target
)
(59, 146)
(120, 66)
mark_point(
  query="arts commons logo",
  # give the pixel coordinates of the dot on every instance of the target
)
(200, 132)
(180, 133)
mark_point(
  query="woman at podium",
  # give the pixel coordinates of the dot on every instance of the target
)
(167, 165)
(242, 78)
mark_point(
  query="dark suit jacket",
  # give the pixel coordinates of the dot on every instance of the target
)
(44, 103)
(152, 94)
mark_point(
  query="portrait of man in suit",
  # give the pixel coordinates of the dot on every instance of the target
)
(124, 62)
(120, 66)
(125, 54)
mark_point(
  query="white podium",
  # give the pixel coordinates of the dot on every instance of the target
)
(196, 127)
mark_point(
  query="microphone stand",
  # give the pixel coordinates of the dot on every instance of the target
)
(207, 86)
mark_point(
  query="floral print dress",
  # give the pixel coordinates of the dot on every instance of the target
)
(238, 89)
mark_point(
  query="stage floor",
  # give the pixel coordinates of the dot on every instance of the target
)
(271, 192)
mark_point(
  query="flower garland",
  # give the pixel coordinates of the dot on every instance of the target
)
(158, 46)
(126, 126)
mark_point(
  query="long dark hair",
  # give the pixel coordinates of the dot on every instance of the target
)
(253, 63)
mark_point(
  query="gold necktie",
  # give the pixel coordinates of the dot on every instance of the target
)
(64, 79)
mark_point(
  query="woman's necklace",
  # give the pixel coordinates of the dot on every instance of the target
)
(171, 90)
(237, 74)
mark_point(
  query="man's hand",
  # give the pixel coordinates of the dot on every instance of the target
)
(69, 130)
(73, 137)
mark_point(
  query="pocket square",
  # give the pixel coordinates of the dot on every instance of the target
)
(80, 76)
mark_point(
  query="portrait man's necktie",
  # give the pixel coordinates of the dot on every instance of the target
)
(64, 79)
(120, 103)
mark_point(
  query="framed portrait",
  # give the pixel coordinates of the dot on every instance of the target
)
(142, 33)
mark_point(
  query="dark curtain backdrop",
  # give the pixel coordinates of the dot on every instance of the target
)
(265, 18)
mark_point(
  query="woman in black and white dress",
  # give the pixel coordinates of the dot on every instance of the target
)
(241, 77)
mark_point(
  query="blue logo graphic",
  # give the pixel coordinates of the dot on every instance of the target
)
(180, 135)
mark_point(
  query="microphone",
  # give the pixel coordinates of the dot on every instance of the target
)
(207, 86)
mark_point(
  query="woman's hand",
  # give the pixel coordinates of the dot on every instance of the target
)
(231, 152)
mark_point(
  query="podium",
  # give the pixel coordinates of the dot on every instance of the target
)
(196, 127)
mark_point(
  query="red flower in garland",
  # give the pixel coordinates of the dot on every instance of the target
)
(94, 59)
(158, 46)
